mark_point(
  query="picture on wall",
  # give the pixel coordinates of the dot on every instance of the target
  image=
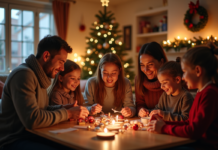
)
(127, 35)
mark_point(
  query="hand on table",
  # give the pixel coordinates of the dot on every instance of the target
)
(156, 125)
(126, 112)
(67, 106)
(96, 108)
(77, 112)
(158, 112)
(143, 112)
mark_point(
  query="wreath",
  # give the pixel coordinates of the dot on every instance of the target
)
(189, 14)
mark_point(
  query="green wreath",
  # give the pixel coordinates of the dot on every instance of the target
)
(189, 14)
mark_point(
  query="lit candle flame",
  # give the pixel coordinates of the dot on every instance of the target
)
(113, 122)
(105, 130)
(117, 117)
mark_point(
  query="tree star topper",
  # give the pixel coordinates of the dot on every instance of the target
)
(105, 2)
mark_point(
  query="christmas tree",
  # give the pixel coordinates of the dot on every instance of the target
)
(104, 38)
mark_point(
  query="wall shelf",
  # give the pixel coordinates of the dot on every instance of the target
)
(152, 34)
(152, 12)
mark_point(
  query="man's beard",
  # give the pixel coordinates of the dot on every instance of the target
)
(46, 67)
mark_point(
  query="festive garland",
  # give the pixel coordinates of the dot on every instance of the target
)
(189, 14)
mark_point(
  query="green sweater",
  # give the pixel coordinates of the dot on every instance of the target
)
(25, 105)
(175, 108)
(90, 99)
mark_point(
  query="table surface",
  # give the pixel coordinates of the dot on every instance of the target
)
(84, 139)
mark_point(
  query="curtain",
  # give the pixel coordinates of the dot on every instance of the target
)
(61, 14)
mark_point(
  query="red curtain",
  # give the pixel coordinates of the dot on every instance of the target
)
(61, 14)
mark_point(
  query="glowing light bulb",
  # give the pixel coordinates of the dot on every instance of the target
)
(111, 26)
(91, 40)
(110, 42)
(88, 51)
(185, 38)
(99, 33)
(75, 60)
(178, 37)
(189, 41)
(82, 63)
(90, 72)
(112, 48)
(127, 76)
(208, 37)
(101, 26)
(75, 55)
(114, 52)
(164, 42)
(97, 27)
(105, 35)
(100, 55)
(92, 62)
(79, 58)
(95, 23)
(87, 59)
(109, 33)
(215, 38)
(96, 41)
(120, 43)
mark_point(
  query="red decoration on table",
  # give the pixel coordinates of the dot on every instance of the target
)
(120, 117)
(193, 7)
(191, 25)
(86, 120)
(135, 127)
(91, 120)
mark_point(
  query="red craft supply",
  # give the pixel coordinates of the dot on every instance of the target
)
(135, 127)
(120, 117)
(91, 120)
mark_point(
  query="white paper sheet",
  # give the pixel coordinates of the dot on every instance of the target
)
(63, 130)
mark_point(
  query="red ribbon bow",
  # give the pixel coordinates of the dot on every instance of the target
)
(193, 7)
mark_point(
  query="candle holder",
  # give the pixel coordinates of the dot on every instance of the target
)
(106, 134)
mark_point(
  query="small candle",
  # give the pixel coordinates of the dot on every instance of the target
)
(113, 122)
(105, 134)
(117, 118)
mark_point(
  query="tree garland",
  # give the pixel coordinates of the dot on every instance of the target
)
(189, 14)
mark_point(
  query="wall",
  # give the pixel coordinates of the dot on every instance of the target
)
(75, 37)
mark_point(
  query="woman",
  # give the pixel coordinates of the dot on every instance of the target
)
(148, 89)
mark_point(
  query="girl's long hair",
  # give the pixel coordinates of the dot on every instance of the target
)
(119, 89)
(204, 56)
(69, 66)
(155, 50)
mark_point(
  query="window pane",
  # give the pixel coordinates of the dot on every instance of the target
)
(16, 17)
(44, 20)
(43, 33)
(2, 15)
(16, 33)
(15, 61)
(27, 34)
(2, 32)
(28, 18)
(2, 48)
(2, 64)
(27, 49)
(16, 49)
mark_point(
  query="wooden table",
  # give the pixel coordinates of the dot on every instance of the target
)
(83, 139)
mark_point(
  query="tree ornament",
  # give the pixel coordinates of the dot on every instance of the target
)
(82, 26)
(195, 8)
(106, 45)
(99, 46)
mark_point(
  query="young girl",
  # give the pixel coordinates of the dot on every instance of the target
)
(175, 102)
(66, 90)
(200, 66)
(109, 89)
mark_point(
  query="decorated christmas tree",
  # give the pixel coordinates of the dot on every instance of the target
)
(105, 38)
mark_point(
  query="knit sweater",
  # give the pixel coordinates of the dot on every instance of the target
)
(175, 108)
(203, 119)
(60, 97)
(90, 98)
(150, 97)
(25, 102)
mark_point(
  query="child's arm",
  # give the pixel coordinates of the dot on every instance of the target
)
(205, 113)
(186, 105)
(128, 100)
(140, 102)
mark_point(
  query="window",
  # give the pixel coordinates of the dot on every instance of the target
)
(27, 26)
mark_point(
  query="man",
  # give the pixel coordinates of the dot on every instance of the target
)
(25, 101)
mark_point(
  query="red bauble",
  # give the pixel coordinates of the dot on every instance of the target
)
(191, 25)
(82, 27)
(135, 127)
(186, 21)
(90, 117)
(91, 120)
(80, 120)
(86, 119)
(120, 117)
(201, 17)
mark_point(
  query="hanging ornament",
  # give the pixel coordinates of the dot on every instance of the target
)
(106, 45)
(99, 46)
(82, 26)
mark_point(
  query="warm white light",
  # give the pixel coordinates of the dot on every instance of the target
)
(87, 59)
(90, 72)
(105, 35)
(111, 26)
(109, 33)
(92, 62)
(99, 33)
(185, 38)
(110, 42)
(168, 41)
(120, 43)
(114, 51)
(79, 58)
(75, 55)
(127, 76)
(95, 23)
(193, 44)
(91, 40)
(96, 41)
(112, 39)
(97, 27)
(215, 38)
(75, 60)
(105, 130)
(189, 41)
(178, 37)
(117, 117)
(82, 63)
(202, 42)
(164, 42)
(100, 55)
(105, 2)
(113, 122)
(101, 26)
(88, 51)
(208, 37)
(112, 48)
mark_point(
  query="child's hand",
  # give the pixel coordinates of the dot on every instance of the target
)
(96, 108)
(158, 112)
(75, 104)
(126, 112)
(156, 125)
(143, 112)
(77, 112)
